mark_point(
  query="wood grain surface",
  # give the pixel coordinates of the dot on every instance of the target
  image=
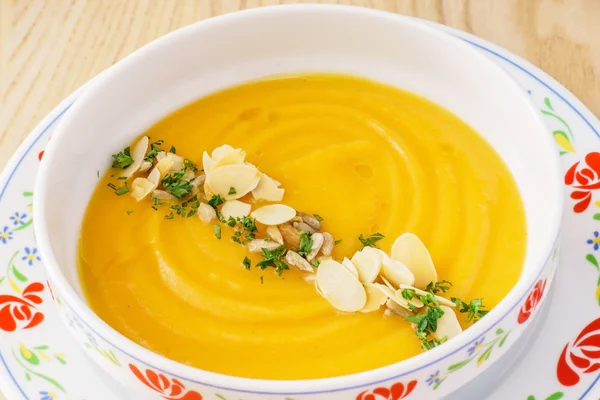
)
(48, 48)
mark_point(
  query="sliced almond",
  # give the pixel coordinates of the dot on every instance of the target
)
(274, 214)
(274, 233)
(342, 289)
(235, 209)
(290, 235)
(187, 175)
(414, 301)
(256, 245)
(138, 152)
(317, 242)
(388, 283)
(368, 263)
(303, 227)
(268, 189)
(312, 221)
(396, 272)
(397, 309)
(392, 295)
(294, 259)
(164, 165)
(221, 151)
(241, 177)
(198, 181)
(206, 213)
(328, 244)
(207, 162)
(236, 156)
(375, 298)
(178, 163)
(145, 166)
(163, 195)
(323, 258)
(448, 325)
(142, 187)
(440, 299)
(350, 266)
(160, 156)
(410, 250)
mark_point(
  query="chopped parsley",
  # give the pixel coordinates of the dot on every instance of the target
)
(118, 191)
(318, 217)
(232, 190)
(247, 263)
(408, 294)
(217, 230)
(176, 185)
(370, 240)
(173, 150)
(156, 201)
(315, 262)
(122, 159)
(154, 150)
(337, 242)
(305, 244)
(129, 212)
(170, 216)
(274, 258)
(437, 287)
(215, 201)
(426, 322)
(474, 308)
(189, 164)
(231, 222)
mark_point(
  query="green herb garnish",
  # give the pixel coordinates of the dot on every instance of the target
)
(426, 322)
(315, 262)
(112, 186)
(154, 150)
(318, 217)
(217, 230)
(337, 242)
(370, 240)
(441, 286)
(274, 258)
(173, 150)
(305, 244)
(122, 159)
(474, 308)
(247, 263)
(232, 190)
(170, 216)
(231, 222)
(176, 185)
(129, 212)
(408, 294)
(215, 201)
(189, 164)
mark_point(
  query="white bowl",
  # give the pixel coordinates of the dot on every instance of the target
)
(224, 51)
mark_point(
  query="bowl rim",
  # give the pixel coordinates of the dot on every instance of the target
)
(93, 322)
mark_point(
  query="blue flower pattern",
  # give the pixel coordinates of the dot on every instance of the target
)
(45, 395)
(31, 255)
(434, 378)
(5, 235)
(18, 219)
(595, 242)
(476, 346)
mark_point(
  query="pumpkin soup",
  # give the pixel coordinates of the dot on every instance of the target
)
(302, 227)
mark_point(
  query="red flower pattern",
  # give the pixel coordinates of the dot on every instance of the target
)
(584, 180)
(534, 298)
(21, 312)
(396, 392)
(169, 389)
(580, 357)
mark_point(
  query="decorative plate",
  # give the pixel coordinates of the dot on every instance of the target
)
(40, 361)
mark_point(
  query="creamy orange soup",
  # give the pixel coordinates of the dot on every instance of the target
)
(366, 157)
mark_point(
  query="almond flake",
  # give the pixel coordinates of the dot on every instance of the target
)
(221, 151)
(410, 251)
(392, 295)
(274, 233)
(350, 266)
(275, 214)
(207, 163)
(163, 195)
(375, 298)
(268, 189)
(396, 272)
(235, 209)
(328, 244)
(317, 242)
(256, 245)
(340, 287)
(294, 259)
(388, 283)
(142, 187)
(177, 163)
(448, 325)
(310, 220)
(303, 227)
(206, 213)
(145, 166)
(397, 309)
(368, 263)
(290, 235)
(138, 152)
(235, 156)
(242, 177)
(164, 165)
(440, 299)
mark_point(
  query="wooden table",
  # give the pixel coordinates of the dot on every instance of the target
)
(48, 48)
